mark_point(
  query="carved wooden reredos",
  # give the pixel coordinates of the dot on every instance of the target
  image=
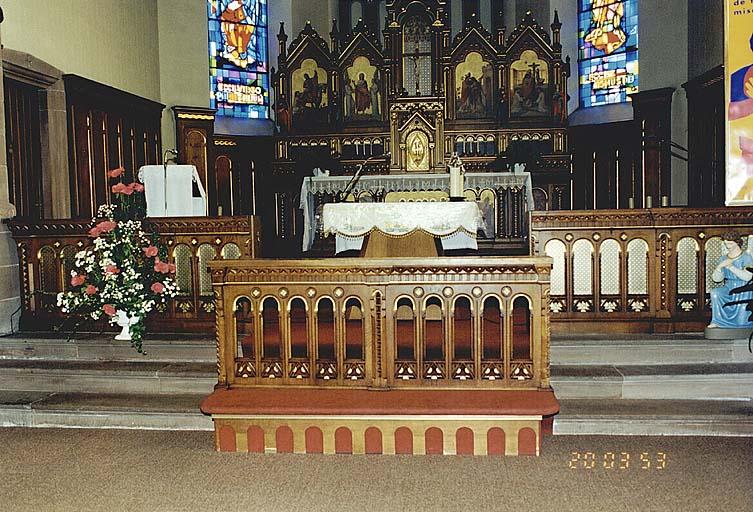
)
(418, 93)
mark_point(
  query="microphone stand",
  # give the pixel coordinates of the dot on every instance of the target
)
(165, 161)
(357, 175)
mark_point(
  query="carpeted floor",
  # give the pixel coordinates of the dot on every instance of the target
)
(113, 470)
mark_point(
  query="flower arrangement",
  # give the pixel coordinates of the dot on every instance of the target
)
(123, 275)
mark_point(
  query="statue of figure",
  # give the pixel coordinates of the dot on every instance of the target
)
(363, 97)
(488, 74)
(348, 99)
(502, 107)
(283, 114)
(732, 269)
(374, 90)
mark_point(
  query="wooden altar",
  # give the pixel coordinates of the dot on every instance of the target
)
(503, 198)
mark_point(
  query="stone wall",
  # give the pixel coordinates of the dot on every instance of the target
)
(183, 60)
(10, 297)
(109, 41)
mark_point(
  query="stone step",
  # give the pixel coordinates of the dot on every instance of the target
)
(626, 349)
(85, 410)
(655, 417)
(102, 346)
(671, 382)
(123, 377)
(651, 349)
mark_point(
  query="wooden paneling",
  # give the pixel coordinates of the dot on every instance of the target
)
(107, 128)
(241, 167)
(706, 139)
(652, 115)
(22, 133)
(194, 130)
(607, 169)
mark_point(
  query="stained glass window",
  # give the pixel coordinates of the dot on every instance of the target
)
(608, 56)
(238, 67)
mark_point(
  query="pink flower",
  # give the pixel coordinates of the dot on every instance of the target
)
(137, 187)
(171, 268)
(114, 173)
(112, 269)
(94, 232)
(151, 251)
(160, 266)
(118, 188)
(158, 287)
(109, 310)
(128, 189)
(78, 280)
(91, 289)
(106, 226)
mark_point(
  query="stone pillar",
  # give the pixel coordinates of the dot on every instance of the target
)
(10, 296)
(53, 129)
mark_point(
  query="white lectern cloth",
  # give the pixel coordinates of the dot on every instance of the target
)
(180, 200)
(455, 224)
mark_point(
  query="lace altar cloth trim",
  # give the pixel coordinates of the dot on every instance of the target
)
(455, 224)
(402, 183)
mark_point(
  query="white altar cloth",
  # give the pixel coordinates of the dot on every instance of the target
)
(177, 182)
(455, 224)
(402, 182)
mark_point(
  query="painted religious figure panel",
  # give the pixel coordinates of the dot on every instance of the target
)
(362, 91)
(529, 79)
(474, 88)
(310, 94)
(608, 56)
(238, 70)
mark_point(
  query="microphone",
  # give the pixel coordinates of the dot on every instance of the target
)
(170, 152)
(357, 175)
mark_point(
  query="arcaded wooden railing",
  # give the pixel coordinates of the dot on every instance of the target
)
(47, 249)
(646, 270)
(448, 322)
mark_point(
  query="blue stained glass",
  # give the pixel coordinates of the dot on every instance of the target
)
(238, 62)
(608, 51)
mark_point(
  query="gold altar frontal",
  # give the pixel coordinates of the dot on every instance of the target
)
(389, 356)
(419, 244)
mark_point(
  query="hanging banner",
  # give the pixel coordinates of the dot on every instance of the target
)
(738, 69)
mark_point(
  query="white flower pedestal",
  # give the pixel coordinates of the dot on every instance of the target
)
(125, 321)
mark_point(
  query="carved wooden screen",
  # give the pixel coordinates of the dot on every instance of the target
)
(22, 129)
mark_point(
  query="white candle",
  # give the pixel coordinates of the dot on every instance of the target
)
(456, 181)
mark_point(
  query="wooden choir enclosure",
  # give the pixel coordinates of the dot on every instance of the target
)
(47, 251)
(646, 270)
(395, 349)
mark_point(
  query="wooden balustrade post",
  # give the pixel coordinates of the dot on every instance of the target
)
(663, 322)
(222, 335)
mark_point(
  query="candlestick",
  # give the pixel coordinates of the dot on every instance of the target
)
(457, 177)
